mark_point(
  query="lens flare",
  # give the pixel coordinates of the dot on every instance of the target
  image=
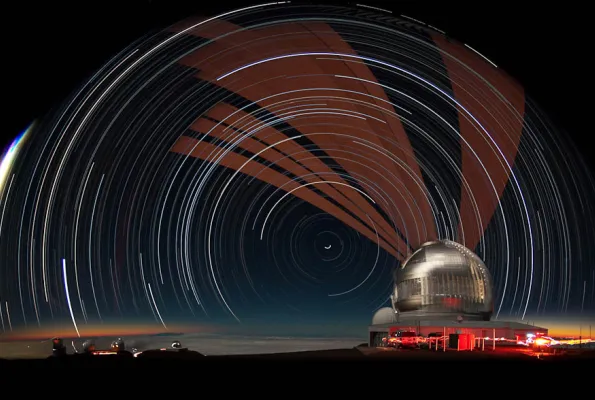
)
(9, 156)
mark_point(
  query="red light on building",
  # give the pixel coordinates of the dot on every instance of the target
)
(451, 302)
(466, 341)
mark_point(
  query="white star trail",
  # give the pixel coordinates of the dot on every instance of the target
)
(65, 280)
(278, 162)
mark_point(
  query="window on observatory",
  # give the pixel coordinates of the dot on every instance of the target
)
(416, 286)
(410, 287)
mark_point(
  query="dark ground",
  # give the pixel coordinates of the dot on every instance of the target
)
(347, 356)
(347, 371)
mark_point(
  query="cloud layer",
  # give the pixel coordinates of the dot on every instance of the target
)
(207, 344)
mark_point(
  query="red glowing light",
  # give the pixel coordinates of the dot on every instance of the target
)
(451, 301)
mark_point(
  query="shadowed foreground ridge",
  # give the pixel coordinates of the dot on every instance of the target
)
(355, 355)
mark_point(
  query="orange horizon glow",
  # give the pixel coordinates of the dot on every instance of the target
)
(556, 328)
(100, 330)
(570, 331)
(563, 327)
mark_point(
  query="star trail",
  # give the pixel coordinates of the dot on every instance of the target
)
(276, 163)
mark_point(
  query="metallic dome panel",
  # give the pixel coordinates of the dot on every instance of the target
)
(443, 278)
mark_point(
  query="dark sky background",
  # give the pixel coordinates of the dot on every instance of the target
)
(52, 49)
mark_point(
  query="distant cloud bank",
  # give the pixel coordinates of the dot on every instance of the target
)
(208, 344)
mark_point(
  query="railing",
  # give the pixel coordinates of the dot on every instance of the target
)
(435, 341)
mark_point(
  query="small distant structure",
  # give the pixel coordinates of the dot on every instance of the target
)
(118, 345)
(117, 348)
(176, 350)
(176, 345)
(58, 347)
(88, 346)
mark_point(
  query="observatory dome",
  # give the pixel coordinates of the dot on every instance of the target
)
(385, 315)
(443, 279)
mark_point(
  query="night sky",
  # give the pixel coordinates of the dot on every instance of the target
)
(123, 211)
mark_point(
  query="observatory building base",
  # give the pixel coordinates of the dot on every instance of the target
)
(484, 329)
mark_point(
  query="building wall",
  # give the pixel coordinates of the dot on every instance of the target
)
(375, 339)
(506, 333)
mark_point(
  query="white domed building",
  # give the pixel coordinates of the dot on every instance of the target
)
(385, 315)
(443, 287)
